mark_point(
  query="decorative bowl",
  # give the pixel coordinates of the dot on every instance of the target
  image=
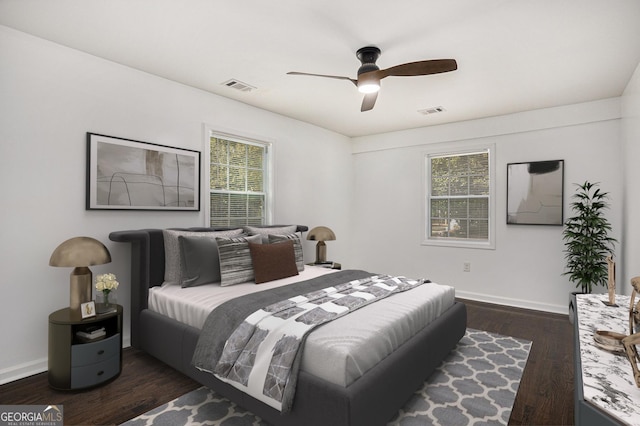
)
(609, 340)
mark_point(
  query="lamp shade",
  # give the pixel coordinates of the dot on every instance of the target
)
(321, 233)
(80, 251)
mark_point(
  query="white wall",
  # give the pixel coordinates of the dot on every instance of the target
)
(526, 267)
(631, 143)
(50, 96)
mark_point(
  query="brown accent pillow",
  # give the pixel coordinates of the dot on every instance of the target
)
(273, 261)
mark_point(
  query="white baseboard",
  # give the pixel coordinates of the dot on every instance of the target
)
(21, 371)
(518, 303)
(37, 366)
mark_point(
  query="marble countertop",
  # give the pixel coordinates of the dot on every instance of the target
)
(607, 376)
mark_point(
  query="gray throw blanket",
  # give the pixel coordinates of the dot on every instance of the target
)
(254, 342)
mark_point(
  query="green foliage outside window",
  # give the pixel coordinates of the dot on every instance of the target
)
(237, 183)
(459, 196)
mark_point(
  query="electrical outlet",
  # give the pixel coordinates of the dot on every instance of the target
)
(466, 266)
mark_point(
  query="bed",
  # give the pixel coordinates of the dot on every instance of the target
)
(371, 397)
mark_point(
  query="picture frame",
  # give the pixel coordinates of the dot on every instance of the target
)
(535, 193)
(88, 310)
(125, 174)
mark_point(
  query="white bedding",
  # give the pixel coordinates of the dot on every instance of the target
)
(339, 351)
(192, 305)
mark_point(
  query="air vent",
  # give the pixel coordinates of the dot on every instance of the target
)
(433, 110)
(238, 85)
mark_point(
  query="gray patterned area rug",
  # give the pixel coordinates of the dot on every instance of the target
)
(475, 385)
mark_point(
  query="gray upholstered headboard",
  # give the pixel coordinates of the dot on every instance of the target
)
(148, 263)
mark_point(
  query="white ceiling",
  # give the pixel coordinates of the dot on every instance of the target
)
(513, 55)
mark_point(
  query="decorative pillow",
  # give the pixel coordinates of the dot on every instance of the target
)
(172, 248)
(273, 261)
(235, 259)
(297, 247)
(199, 261)
(265, 232)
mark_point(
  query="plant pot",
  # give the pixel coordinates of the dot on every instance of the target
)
(572, 306)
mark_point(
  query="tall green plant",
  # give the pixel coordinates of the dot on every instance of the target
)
(586, 238)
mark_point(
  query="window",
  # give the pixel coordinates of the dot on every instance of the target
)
(238, 182)
(459, 199)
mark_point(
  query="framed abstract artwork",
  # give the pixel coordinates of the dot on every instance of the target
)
(535, 193)
(124, 174)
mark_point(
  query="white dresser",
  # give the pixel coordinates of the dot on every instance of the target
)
(605, 391)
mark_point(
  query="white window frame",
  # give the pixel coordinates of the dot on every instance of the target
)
(426, 197)
(231, 135)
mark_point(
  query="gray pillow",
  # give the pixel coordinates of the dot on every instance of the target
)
(199, 259)
(172, 249)
(235, 259)
(297, 247)
(265, 232)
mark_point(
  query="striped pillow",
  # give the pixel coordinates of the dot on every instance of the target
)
(297, 247)
(172, 261)
(265, 231)
(235, 259)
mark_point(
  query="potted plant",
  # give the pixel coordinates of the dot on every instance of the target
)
(586, 238)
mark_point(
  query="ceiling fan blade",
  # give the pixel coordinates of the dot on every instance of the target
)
(433, 66)
(338, 77)
(369, 101)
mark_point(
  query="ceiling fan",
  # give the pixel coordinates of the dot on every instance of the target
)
(369, 74)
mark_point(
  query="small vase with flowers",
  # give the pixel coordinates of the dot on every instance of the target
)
(106, 285)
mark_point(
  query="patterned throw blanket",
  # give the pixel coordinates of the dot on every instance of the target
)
(261, 355)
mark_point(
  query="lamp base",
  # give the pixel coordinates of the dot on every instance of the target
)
(321, 252)
(80, 287)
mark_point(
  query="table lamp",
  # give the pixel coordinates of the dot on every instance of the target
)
(80, 253)
(321, 234)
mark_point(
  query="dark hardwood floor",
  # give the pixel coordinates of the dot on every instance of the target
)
(545, 396)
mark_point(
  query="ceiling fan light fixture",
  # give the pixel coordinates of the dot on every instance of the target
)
(368, 87)
(368, 83)
(369, 74)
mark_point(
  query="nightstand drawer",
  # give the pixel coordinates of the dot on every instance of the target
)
(90, 375)
(91, 353)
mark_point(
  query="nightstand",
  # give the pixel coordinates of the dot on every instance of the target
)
(77, 363)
